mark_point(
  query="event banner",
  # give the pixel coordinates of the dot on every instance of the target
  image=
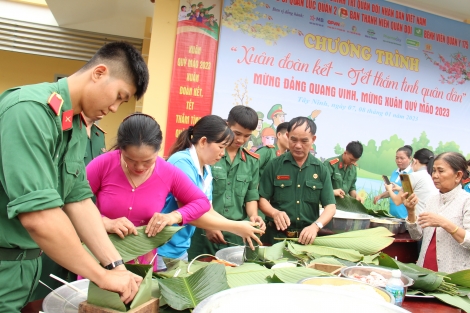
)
(372, 71)
(192, 81)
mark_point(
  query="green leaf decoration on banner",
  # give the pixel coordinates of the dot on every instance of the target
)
(186, 292)
(111, 300)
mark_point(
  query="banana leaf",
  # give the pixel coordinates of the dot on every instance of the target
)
(461, 302)
(186, 292)
(346, 254)
(133, 246)
(367, 241)
(292, 275)
(180, 267)
(264, 254)
(247, 274)
(111, 300)
(350, 204)
(371, 259)
(461, 278)
(326, 260)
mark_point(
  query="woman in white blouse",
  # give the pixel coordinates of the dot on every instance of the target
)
(444, 224)
(421, 180)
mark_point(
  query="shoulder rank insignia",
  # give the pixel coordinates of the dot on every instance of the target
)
(55, 101)
(270, 146)
(101, 129)
(334, 161)
(67, 118)
(255, 155)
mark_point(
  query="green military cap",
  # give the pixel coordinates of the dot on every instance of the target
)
(212, 15)
(260, 114)
(193, 5)
(200, 4)
(277, 108)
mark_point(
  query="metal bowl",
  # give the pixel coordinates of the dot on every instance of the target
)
(392, 226)
(231, 254)
(402, 222)
(366, 270)
(290, 298)
(339, 281)
(346, 221)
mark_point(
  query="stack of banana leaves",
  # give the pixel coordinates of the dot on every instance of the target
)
(349, 204)
(184, 285)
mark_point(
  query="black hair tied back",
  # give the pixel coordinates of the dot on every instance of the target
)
(190, 130)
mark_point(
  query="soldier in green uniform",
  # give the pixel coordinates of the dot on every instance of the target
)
(343, 171)
(269, 152)
(95, 145)
(293, 186)
(277, 115)
(235, 185)
(204, 11)
(44, 195)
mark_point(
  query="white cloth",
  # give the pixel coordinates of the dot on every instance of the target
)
(423, 188)
(451, 255)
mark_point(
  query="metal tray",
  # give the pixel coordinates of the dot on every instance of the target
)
(64, 299)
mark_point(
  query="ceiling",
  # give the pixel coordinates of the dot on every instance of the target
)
(127, 17)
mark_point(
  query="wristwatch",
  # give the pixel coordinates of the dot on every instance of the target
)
(319, 224)
(114, 264)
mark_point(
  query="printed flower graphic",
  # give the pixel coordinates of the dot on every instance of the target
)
(456, 69)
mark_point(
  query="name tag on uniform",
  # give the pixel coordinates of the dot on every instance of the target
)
(283, 177)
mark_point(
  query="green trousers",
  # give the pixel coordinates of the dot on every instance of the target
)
(201, 245)
(49, 267)
(18, 280)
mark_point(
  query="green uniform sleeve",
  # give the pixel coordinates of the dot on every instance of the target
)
(252, 193)
(328, 167)
(327, 196)
(353, 184)
(28, 137)
(266, 187)
(77, 183)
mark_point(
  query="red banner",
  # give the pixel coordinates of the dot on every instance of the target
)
(192, 81)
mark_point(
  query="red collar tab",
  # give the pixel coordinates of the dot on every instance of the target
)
(67, 120)
(243, 156)
(55, 101)
(340, 165)
(278, 152)
(83, 120)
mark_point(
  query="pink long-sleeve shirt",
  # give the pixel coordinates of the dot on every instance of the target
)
(116, 197)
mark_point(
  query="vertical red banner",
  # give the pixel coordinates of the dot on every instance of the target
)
(192, 81)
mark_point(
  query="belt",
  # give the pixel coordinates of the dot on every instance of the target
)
(19, 254)
(290, 233)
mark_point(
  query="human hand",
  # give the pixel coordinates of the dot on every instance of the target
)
(308, 234)
(409, 201)
(259, 220)
(360, 199)
(339, 193)
(125, 283)
(428, 219)
(281, 220)
(376, 199)
(215, 236)
(396, 187)
(119, 226)
(248, 231)
(159, 221)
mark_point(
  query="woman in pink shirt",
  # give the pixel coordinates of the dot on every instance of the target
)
(131, 183)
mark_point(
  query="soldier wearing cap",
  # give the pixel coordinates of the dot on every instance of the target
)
(204, 11)
(269, 152)
(343, 171)
(276, 115)
(255, 139)
(292, 187)
(193, 11)
(235, 186)
(44, 194)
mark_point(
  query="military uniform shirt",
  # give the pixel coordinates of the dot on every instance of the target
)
(342, 177)
(41, 165)
(298, 191)
(266, 154)
(234, 184)
(95, 144)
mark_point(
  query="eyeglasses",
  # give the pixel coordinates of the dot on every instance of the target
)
(137, 114)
